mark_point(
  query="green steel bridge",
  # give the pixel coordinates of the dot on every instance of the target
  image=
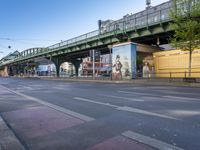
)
(143, 27)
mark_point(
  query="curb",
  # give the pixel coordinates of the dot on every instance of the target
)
(153, 82)
(136, 81)
(8, 140)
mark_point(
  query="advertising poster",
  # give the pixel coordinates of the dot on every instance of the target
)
(106, 62)
(124, 61)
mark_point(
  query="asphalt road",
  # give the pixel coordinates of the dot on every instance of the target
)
(67, 115)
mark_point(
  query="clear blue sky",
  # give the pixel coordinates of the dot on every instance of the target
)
(39, 23)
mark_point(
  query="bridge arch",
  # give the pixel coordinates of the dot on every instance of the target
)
(67, 69)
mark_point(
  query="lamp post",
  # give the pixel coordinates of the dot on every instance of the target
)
(93, 63)
(148, 3)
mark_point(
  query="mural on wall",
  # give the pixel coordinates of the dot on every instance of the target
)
(124, 61)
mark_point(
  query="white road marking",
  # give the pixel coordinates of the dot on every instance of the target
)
(125, 108)
(140, 111)
(137, 93)
(96, 102)
(150, 141)
(183, 98)
(183, 113)
(119, 97)
(56, 107)
(160, 87)
(170, 92)
(1, 120)
(164, 99)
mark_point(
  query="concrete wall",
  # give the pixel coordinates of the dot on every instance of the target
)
(176, 62)
(146, 48)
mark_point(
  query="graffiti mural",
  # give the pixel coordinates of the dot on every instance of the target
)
(124, 61)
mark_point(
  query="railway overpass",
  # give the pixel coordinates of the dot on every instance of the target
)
(150, 26)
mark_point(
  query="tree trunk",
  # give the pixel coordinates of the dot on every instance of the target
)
(190, 63)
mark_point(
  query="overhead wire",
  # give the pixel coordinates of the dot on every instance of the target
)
(28, 41)
(10, 39)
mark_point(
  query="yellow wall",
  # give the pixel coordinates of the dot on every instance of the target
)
(176, 62)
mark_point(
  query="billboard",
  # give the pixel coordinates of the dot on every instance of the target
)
(124, 61)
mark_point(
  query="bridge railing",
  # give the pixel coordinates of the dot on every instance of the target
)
(148, 17)
(74, 40)
(151, 16)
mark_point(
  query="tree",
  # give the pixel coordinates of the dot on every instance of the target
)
(186, 24)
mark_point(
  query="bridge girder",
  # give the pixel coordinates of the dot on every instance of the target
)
(145, 35)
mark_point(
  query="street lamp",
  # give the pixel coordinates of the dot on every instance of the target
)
(148, 3)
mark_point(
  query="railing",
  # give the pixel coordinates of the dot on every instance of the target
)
(74, 40)
(175, 75)
(136, 21)
(168, 75)
(148, 17)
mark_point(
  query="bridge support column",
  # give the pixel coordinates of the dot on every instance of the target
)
(76, 63)
(14, 70)
(21, 69)
(57, 61)
(4, 71)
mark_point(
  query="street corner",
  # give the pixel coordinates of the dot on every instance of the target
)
(121, 142)
(39, 121)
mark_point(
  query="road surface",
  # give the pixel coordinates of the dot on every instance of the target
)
(42, 114)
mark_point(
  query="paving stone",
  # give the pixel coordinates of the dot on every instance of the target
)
(39, 121)
(120, 143)
(8, 140)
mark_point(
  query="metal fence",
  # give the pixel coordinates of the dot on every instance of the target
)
(167, 76)
(175, 75)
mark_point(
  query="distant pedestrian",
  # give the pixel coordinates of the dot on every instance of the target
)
(145, 70)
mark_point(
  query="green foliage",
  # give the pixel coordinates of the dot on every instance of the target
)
(186, 23)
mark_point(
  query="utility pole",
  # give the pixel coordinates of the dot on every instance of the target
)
(148, 3)
(93, 62)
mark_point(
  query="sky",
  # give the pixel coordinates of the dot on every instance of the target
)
(26, 24)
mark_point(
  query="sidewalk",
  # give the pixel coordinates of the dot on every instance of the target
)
(149, 81)
(8, 141)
